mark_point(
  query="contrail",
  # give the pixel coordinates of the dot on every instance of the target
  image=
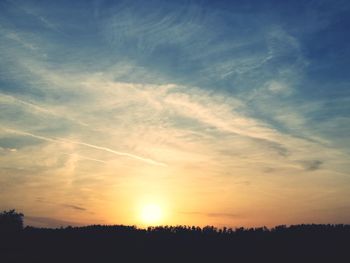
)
(85, 157)
(17, 101)
(30, 134)
(62, 140)
(147, 160)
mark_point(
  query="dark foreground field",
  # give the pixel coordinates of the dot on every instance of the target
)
(301, 243)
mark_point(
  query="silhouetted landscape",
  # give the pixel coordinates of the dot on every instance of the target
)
(120, 243)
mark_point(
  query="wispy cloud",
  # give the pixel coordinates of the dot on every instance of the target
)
(34, 108)
(86, 158)
(212, 214)
(133, 156)
(33, 11)
(312, 165)
(14, 36)
(62, 140)
(75, 207)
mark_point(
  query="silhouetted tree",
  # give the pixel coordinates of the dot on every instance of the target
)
(11, 221)
(106, 243)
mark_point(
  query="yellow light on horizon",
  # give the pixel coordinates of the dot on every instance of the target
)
(151, 214)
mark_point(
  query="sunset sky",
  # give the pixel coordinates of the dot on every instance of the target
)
(201, 113)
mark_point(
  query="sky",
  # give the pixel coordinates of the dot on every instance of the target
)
(225, 113)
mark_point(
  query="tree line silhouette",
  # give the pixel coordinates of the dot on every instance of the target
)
(120, 243)
(11, 221)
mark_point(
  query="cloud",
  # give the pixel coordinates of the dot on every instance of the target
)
(86, 158)
(33, 11)
(221, 115)
(202, 97)
(63, 140)
(75, 207)
(231, 215)
(15, 37)
(36, 109)
(133, 156)
(311, 165)
(6, 149)
(278, 87)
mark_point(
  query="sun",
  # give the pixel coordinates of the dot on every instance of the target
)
(151, 214)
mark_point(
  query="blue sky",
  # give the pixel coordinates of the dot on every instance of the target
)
(190, 104)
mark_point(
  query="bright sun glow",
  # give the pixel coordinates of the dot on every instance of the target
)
(151, 214)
